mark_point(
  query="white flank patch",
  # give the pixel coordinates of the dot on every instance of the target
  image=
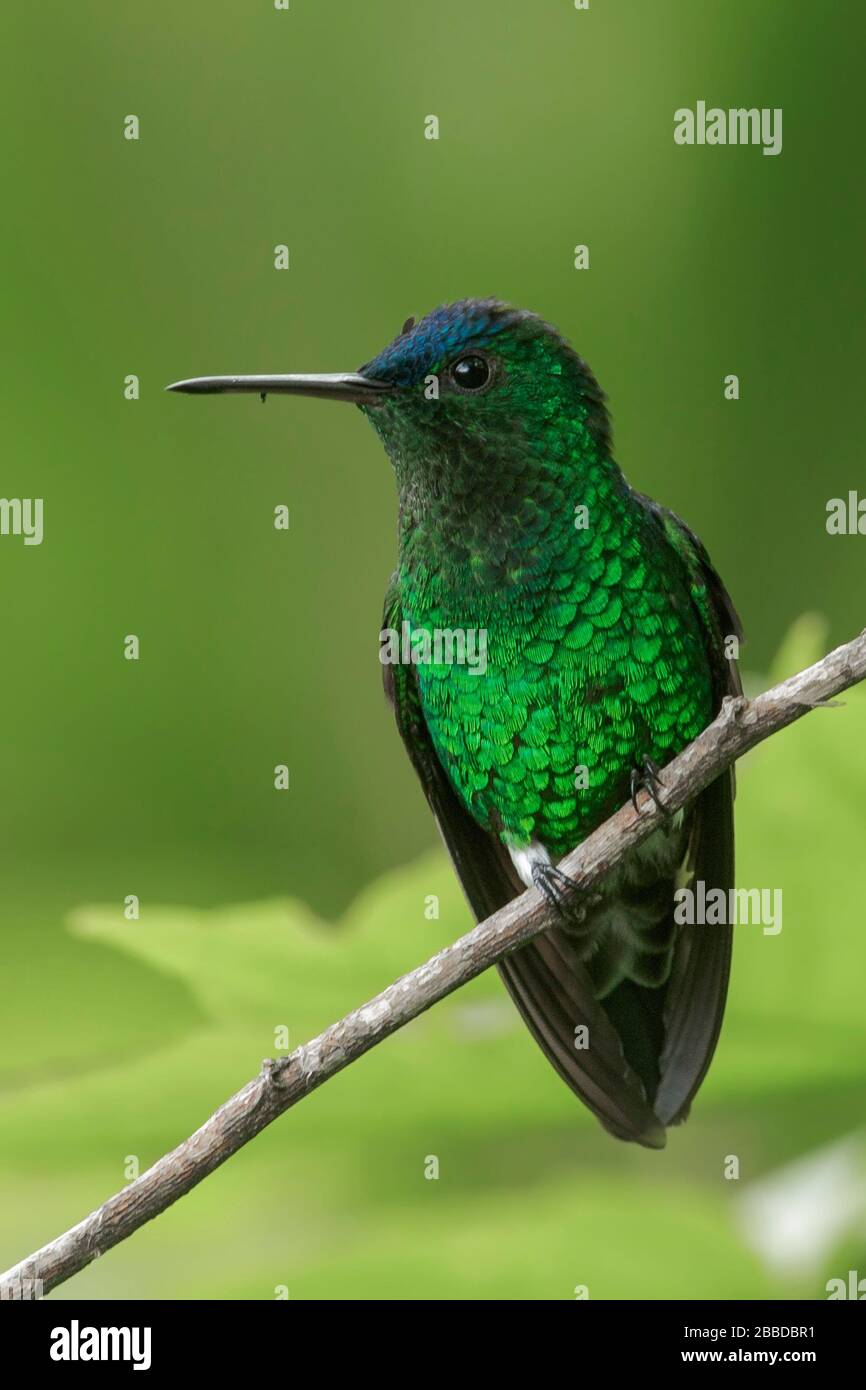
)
(527, 859)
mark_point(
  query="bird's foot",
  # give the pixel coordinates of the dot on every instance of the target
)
(563, 893)
(647, 778)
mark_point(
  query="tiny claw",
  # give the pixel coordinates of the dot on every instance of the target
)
(646, 778)
(559, 890)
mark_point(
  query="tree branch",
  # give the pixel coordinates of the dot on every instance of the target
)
(740, 725)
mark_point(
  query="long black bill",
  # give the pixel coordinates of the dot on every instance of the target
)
(328, 386)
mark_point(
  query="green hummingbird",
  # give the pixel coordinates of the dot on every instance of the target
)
(602, 625)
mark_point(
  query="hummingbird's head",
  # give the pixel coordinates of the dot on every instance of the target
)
(478, 387)
(478, 401)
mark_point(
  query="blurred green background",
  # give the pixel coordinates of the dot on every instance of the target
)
(258, 647)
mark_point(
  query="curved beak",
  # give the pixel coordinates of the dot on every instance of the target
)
(327, 386)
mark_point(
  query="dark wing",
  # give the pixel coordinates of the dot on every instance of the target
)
(545, 979)
(694, 1000)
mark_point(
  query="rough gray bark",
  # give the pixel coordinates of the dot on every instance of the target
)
(281, 1084)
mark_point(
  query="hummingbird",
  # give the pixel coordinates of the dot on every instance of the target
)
(605, 629)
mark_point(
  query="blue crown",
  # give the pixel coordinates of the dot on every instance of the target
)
(441, 334)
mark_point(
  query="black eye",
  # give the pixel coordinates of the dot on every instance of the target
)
(472, 373)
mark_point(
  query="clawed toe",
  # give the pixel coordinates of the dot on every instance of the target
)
(560, 891)
(646, 778)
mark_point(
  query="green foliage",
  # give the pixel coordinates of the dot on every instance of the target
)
(532, 1198)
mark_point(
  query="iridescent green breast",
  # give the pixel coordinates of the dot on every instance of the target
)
(595, 661)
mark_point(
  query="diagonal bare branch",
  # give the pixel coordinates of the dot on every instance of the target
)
(281, 1084)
